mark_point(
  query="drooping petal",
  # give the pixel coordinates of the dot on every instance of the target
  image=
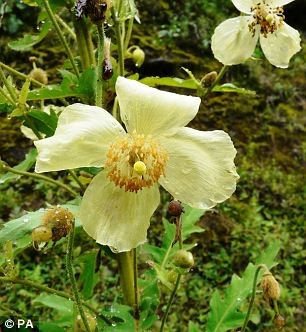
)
(200, 170)
(151, 111)
(232, 42)
(117, 218)
(281, 45)
(81, 139)
(243, 5)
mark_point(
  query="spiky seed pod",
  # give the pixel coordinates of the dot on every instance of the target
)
(209, 79)
(270, 287)
(60, 220)
(39, 75)
(279, 321)
(41, 234)
(183, 259)
(175, 208)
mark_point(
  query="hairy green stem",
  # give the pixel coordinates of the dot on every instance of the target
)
(19, 74)
(40, 177)
(128, 34)
(79, 26)
(170, 302)
(61, 36)
(126, 271)
(136, 294)
(76, 179)
(66, 26)
(99, 72)
(8, 86)
(247, 317)
(52, 291)
(71, 276)
(119, 42)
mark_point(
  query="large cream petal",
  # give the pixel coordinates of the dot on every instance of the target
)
(279, 3)
(151, 111)
(200, 170)
(232, 42)
(244, 5)
(117, 218)
(280, 46)
(81, 139)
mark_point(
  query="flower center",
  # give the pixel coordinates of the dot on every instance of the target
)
(135, 161)
(269, 18)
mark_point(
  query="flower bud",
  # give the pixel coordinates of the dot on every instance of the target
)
(138, 57)
(39, 75)
(270, 286)
(209, 79)
(183, 259)
(279, 321)
(175, 208)
(60, 220)
(41, 234)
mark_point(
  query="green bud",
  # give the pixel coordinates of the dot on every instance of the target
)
(183, 259)
(138, 57)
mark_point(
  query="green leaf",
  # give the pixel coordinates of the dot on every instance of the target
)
(190, 217)
(88, 276)
(192, 327)
(229, 87)
(59, 303)
(19, 230)
(25, 165)
(28, 41)
(121, 315)
(169, 81)
(43, 122)
(225, 314)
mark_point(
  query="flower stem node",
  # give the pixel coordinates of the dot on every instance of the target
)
(279, 321)
(183, 259)
(270, 286)
(175, 208)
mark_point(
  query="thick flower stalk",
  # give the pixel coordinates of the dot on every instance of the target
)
(234, 40)
(153, 148)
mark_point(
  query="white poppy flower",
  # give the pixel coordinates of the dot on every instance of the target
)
(234, 40)
(154, 148)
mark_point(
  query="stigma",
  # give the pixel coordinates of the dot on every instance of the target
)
(267, 17)
(135, 161)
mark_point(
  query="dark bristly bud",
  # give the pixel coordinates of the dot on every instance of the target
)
(183, 259)
(32, 59)
(175, 208)
(209, 79)
(279, 321)
(94, 9)
(270, 287)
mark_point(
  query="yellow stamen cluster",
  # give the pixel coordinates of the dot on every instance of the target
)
(135, 161)
(269, 18)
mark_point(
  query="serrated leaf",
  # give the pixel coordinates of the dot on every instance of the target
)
(225, 314)
(169, 81)
(28, 41)
(124, 321)
(190, 217)
(25, 165)
(59, 303)
(19, 230)
(229, 87)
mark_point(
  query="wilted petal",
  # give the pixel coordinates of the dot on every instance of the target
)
(281, 45)
(200, 170)
(232, 42)
(151, 111)
(244, 5)
(117, 218)
(81, 139)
